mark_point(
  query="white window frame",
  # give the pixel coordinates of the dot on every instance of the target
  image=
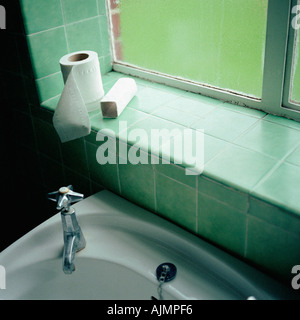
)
(293, 35)
(275, 63)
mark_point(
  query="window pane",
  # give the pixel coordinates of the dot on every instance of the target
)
(219, 43)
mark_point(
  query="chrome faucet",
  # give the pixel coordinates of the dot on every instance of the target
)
(74, 240)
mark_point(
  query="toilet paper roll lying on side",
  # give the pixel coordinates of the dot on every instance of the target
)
(82, 93)
(115, 101)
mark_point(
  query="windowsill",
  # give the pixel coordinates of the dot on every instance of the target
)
(255, 153)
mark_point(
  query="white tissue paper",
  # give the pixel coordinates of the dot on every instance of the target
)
(118, 97)
(82, 93)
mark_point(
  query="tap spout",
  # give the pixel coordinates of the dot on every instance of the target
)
(69, 254)
(74, 240)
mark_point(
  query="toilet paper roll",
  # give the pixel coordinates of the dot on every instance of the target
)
(117, 98)
(86, 69)
(82, 93)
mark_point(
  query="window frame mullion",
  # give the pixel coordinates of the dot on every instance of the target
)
(278, 25)
(293, 34)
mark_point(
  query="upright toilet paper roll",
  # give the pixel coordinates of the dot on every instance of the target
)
(82, 93)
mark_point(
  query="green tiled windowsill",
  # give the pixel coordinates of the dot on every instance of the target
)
(245, 149)
(250, 183)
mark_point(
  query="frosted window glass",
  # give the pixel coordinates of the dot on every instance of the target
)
(219, 43)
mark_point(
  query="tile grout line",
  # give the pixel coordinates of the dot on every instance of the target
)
(280, 124)
(266, 176)
(48, 75)
(197, 218)
(247, 219)
(154, 188)
(63, 25)
(118, 172)
(98, 9)
(276, 166)
(65, 30)
(42, 31)
(168, 177)
(222, 202)
(275, 226)
(246, 238)
(87, 164)
(45, 101)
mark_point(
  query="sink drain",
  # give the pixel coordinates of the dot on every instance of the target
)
(166, 272)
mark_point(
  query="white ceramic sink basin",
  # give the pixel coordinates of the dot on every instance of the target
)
(125, 245)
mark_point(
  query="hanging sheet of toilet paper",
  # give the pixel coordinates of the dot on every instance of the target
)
(82, 94)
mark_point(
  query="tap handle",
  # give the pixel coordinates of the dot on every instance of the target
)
(64, 197)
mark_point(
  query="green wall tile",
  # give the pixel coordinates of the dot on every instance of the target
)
(225, 124)
(46, 49)
(42, 113)
(197, 106)
(75, 10)
(105, 37)
(201, 98)
(79, 182)
(85, 35)
(137, 184)
(41, 15)
(51, 104)
(239, 168)
(228, 196)
(91, 137)
(213, 146)
(107, 85)
(105, 65)
(23, 130)
(15, 86)
(148, 99)
(102, 7)
(47, 139)
(147, 125)
(53, 173)
(283, 121)
(244, 110)
(129, 115)
(281, 187)
(274, 215)
(74, 155)
(272, 248)
(95, 187)
(50, 86)
(271, 139)
(174, 115)
(221, 224)
(24, 57)
(105, 175)
(9, 53)
(210, 148)
(31, 92)
(177, 173)
(176, 202)
(294, 157)
(27, 164)
(160, 86)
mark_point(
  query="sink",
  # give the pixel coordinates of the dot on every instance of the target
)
(124, 246)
